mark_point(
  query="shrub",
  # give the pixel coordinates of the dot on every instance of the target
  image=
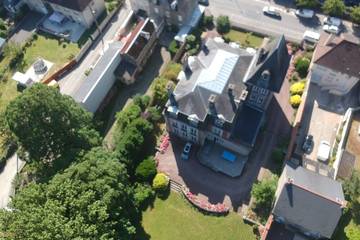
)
(263, 192)
(208, 21)
(142, 101)
(297, 88)
(172, 71)
(173, 47)
(295, 101)
(154, 114)
(146, 170)
(143, 195)
(334, 7)
(223, 24)
(192, 44)
(355, 14)
(160, 182)
(160, 94)
(302, 66)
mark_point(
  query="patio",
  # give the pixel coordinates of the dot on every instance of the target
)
(59, 25)
(222, 160)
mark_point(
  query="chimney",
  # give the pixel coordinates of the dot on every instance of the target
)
(231, 88)
(171, 95)
(212, 100)
(330, 39)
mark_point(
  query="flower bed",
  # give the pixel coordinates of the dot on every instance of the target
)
(165, 142)
(203, 205)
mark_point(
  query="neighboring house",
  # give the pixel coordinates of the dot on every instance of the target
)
(223, 94)
(307, 206)
(100, 80)
(336, 65)
(83, 12)
(181, 14)
(137, 49)
(121, 61)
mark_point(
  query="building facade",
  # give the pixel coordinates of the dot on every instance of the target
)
(174, 12)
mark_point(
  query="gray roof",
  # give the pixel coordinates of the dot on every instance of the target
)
(273, 57)
(77, 5)
(99, 69)
(217, 66)
(309, 201)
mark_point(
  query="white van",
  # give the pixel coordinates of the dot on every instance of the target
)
(324, 151)
(310, 36)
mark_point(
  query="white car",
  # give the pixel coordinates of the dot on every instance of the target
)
(269, 10)
(332, 21)
(305, 13)
(331, 29)
(323, 151)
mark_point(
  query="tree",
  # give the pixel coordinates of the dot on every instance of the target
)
(223, 24)
(264, 191)
(192, 44)
(352, 231)
(142, 101)
(126, 116)
(307, 3)
(160, 94)
(146, 170)
(334, 8)
(355, 14)
(90, 200)
(208, 21)
(49, 126)
(130, 144)
(143, 195)
(352, 194)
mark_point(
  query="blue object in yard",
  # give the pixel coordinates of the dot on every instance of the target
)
(229, 156)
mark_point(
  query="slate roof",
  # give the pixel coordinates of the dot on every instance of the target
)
(77, 5)
(192, 93)
(309, 201)
(273, 57)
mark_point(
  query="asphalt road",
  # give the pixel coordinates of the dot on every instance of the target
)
(248, 14)
(71, 82)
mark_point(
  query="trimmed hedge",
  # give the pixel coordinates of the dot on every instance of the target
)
(160, 182)
(297, 88)
(295, 101)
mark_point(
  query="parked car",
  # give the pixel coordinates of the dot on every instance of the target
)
(332, 21)
(186, 151)
(305, 13)
(204, 2)
(310, 36)
(271, 11)
(331, 29)
(323, 151)
(308, 144)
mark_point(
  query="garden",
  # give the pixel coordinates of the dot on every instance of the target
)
(174, 218)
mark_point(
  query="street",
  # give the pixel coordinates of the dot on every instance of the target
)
(71, 82)
(248, 15)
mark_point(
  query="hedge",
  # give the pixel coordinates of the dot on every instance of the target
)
(160, 182)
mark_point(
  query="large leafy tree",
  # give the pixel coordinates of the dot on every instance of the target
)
(355, 14)
(264, 192)
(334, 7)
(90, 200)
(48, 125)
(307, 3)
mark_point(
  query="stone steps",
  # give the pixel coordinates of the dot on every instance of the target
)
(175, 186)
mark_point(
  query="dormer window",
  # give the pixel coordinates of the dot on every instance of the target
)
(174, 5)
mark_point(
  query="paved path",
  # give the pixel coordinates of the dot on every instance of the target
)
(6, 178)
(248, 14)
(71, 82)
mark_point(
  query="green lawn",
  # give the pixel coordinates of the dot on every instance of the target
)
(51, 49)
(244, 38)
(175, 219)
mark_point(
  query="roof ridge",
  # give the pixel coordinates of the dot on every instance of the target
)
(336, 201)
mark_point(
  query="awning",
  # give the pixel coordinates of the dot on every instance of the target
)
(56, 17)
(191, 23)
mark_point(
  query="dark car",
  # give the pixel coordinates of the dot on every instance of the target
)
(308, 143)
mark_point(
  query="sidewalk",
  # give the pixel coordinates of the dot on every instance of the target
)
(6, 178)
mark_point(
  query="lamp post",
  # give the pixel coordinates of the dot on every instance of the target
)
(93, 12)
